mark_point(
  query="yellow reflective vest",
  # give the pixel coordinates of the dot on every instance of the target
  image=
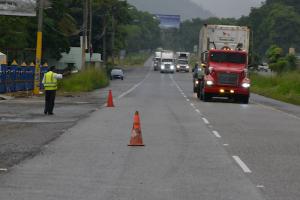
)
(50, 81)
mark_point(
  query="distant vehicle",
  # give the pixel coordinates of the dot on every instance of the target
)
(156, 60)
(224, 54)
(116, 74)
(264, 67)
(182, 65)
(182, 55)
(167, 64)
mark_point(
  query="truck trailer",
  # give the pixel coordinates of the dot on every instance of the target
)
(223, 51)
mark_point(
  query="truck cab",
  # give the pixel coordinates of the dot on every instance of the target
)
(167, 65)
(226, 76)
(182, 65)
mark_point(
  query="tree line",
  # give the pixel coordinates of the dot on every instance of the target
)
(116, 25)
(275, 25)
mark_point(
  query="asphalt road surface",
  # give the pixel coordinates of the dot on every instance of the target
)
(194, 150)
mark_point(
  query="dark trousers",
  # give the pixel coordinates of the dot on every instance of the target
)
(49, 101)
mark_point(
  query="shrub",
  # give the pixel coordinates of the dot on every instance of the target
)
(84, 81)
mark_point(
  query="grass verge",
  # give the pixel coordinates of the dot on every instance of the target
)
(284, 87)
(84, 81)
(134, 59)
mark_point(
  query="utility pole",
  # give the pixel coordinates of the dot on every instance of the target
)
(90, 28)
(104, 40)
(85, 16)
(113, 38)
(38, 57)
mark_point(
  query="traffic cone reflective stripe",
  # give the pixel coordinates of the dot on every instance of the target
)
(136, 132)
(110, 102)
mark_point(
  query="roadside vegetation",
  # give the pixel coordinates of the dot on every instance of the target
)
(133, 59)
(284, 87)
(84, 81)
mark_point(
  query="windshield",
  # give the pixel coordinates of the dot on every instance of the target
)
(167, 60)
(228, 57)
(182, 62)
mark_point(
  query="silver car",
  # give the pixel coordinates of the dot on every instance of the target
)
(116, 74)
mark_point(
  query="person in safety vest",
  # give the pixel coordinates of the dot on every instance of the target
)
(50, 85)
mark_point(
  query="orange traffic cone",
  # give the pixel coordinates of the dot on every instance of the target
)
(110, 102)
(136, 133)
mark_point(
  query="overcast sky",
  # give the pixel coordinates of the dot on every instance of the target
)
(229, 8)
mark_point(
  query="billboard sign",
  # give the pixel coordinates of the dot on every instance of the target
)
(18, 7)
(168, 21)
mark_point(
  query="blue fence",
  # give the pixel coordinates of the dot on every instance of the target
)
(18, 78)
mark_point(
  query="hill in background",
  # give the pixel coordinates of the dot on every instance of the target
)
(185, 8)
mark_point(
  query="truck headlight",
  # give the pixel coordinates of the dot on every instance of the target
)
(246, 85)
(209, 83)
(187, 67)
(178, 66)
(162, 67)
(172, 67)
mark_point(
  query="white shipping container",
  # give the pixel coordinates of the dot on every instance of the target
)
(223, 36)
(157, 54)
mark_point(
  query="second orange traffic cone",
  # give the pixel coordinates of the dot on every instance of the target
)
(110, 102)
(136, 132)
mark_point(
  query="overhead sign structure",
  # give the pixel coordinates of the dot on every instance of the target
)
(168, 21)
(18, 7)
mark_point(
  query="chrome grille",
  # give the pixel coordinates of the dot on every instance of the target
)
(167, 66)
(228, 79)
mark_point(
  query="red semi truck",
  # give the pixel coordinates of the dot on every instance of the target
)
(223, 51)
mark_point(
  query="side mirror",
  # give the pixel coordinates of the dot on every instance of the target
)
(203, 65)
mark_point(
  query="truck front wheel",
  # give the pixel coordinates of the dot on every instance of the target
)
(205, 96)
(245, 99)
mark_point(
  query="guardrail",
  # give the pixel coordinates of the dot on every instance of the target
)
(18, 78)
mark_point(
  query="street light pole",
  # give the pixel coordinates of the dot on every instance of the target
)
(38, 57)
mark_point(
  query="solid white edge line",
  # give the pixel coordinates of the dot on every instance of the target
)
(205, 120)
(216, 134)
(244, 167)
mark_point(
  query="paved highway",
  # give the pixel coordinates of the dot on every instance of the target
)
(194, 150)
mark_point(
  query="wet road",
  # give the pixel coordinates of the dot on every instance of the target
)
(194, 150)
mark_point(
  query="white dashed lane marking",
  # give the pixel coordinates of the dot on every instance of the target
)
(244, 167)
(205, 120)
(217, 134)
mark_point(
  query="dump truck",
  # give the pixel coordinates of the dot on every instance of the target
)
(223, 51)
